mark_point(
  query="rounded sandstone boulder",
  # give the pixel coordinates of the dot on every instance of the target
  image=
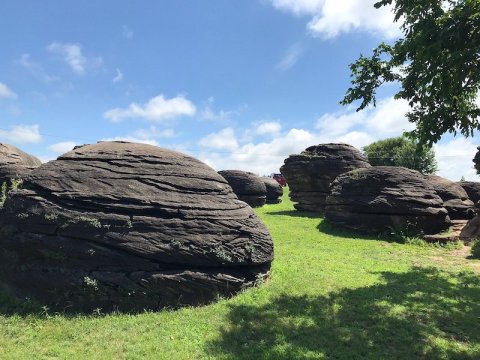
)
(247, 186)
(472, 188)
(274, 190)
(129, 226)
(454, 197)
(15, 164)
(310, 173)
(385, 199)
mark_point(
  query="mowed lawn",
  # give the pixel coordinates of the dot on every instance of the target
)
(330, 296)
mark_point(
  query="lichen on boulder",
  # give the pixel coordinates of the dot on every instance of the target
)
(385, 199)
(129, 226)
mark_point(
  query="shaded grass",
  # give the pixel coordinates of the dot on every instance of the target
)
(330, 295)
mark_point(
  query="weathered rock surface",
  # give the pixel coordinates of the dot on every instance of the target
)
(472, 188)
(247, 186)
(274, 190)
(15, 164)
(455, 199)
(386, 199)
(310, 173)
(129, 226)
(476, 160)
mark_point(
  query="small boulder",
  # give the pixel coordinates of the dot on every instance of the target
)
(274, 190)
(128, 226)
(384, 199)
(310, 173)
(454, 197)
(15, 164)
(247, 186)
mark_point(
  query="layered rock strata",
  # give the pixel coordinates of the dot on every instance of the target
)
(384, 199)
(130, 227)
(310, 173)
(247, 186)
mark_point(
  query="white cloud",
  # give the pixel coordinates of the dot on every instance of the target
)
(223, 140)
(118, 77)
(330, 18)
(132, 139)
(22, 134)
(35, 68)
(209, 112)
(72, 55)
(268, 127)
(62, 147)
(290, 58)
(6, 92)
(299, 7)
(455, 159)
(156, 109)
(385, 120)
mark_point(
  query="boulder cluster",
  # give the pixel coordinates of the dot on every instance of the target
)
(247, 186)
(128, 226)
(472, 188)
(15, 164)
(274, 190)
(310, 173)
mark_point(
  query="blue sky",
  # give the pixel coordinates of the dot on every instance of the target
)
(238, 84)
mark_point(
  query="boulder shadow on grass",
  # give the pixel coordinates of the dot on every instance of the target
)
(424, 313)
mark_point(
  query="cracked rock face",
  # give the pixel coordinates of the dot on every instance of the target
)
(472, 188)
(247, 186)
(15, 164)
(383, 199)
(274, 190)
(454, 197)
(310, 173)
(129, 226)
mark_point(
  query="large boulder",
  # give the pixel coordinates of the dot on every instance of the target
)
(385, 199)
(274, 190)
(472, 188)
(310, 173)
(15, 164)
(129, 226)
(455, 199)
(247, 186)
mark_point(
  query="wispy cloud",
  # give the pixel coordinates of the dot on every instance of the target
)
(35, 68)
(118, 77)
(73, 56)
(22, 134)
(127, 33)
(290, 58)
(62, 147)
(6, 92)
(156, 109)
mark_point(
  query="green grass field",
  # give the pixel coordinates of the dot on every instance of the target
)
(330, 296)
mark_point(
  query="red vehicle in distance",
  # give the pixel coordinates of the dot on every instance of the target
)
(280, 179)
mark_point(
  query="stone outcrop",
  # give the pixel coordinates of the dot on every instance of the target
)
(274, 190)
(384, 199)
(472, 188)
(454, 197)
(15, 164)
(130, 227)
(310, 173)
(476, 160)
(247, 186)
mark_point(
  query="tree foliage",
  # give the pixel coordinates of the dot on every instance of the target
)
(437, 64)
(401, 151)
